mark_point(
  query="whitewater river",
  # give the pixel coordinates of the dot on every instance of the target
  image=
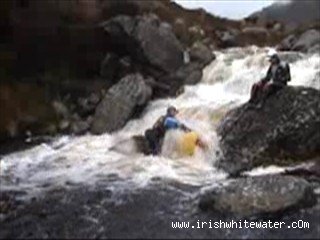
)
(87, 161)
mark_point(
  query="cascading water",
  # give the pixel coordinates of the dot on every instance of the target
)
(88, 159)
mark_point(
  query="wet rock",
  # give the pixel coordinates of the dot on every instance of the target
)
(227, 39)
(307, 40)
(258, 196)
(79, 127)
(284, 131)
(287, 43)
(120, 103)
(194, 77)
(61, 109)
(201, 53)
(87, 105)
(189, 74)
(64, 125)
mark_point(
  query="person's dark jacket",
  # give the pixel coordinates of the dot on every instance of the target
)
(280, 74)
(160, 129)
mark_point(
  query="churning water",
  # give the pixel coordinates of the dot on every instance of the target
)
(88, 159)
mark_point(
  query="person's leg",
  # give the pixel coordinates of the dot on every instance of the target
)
(270, 89)
(264, 92)
(149, 135)
(254, 93)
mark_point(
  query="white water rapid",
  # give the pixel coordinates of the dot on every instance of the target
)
(86, 160)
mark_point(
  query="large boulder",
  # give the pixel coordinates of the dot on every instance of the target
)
(285, 130)
(227, 39)
(257, 196)
(287, 43)
(201, 53)
(154, 50)
(120, 104)
(189, 74)
(147, 40)
(307, 40)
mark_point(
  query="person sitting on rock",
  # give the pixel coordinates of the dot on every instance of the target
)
(279, 72)
(155, 135)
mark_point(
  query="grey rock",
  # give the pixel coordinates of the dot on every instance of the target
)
(79, 127)
(258, 196)
(201, 53)
(61, 109)
(87, 105)
(190, 74)
(228, 39)
(147, 41)
(314, 49)
(64, 125)
(287, 43)
(120, 103)
(307, 40)
(284, 131)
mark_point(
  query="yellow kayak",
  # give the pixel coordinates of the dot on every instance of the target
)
(188, 143)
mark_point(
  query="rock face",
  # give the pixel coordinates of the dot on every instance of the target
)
(148, 38)
(286, 128)
(227, 39)
(260, 196)
(201, 53)
(152, 49)
(120, 103)
(307, 42)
